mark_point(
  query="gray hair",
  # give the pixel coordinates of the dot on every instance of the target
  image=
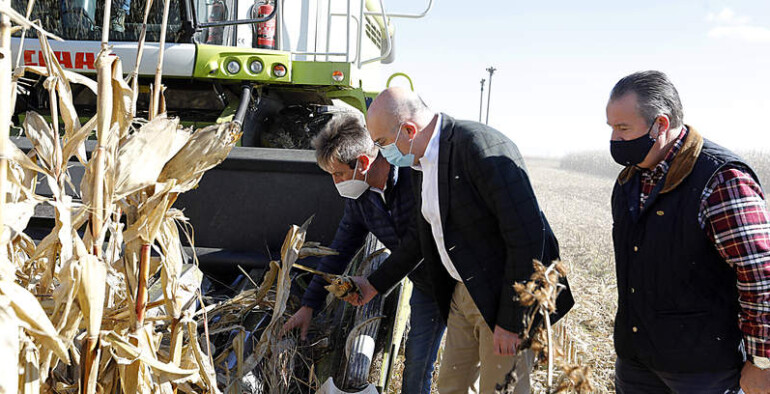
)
(655, 95)
(344, 138)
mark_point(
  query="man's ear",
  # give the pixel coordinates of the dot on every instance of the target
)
(663, 124)
(364, 163)
(411, 129)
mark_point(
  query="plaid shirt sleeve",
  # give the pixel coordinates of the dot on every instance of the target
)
(735, 217)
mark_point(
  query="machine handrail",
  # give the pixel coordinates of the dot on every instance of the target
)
(360, 28)
(400, 74)
(412, 16)
(385, 31)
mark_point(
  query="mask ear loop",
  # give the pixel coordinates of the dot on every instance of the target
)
(355, 171)
(411, 144)
(650, 130)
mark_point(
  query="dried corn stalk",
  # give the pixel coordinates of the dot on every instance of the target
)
(68, 304)
(539, 295)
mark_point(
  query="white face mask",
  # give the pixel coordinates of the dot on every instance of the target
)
(353, 188)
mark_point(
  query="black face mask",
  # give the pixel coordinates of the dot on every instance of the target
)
(633, 152)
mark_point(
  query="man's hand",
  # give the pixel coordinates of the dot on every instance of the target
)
(505, 342)
(755, 380)
(300, 319)
(367, 292)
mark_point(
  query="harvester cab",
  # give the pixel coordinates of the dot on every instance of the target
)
(279, 68)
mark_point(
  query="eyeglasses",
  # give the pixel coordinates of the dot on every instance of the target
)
(380, 142)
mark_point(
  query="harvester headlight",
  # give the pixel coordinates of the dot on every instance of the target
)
(338, 76)
(279, 70)
(255, 67)
(233, 67)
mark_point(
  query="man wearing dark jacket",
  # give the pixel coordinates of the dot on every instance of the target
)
(692, 250)
(380, 200)
(479, 227)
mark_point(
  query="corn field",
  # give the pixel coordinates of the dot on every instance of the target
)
(601, 163)
(75, 310)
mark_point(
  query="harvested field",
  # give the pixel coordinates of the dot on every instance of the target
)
(578, 208)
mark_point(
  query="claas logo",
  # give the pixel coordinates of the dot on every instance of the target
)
(71, 60)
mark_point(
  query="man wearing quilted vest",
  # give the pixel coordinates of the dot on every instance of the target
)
(691, 232)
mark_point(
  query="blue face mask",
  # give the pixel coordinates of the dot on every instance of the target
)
(394, 156)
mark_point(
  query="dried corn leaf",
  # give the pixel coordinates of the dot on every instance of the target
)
(71, 76)
(151, 216)
(87, 183)
(130, 269)
(29, 362)
(126, 353)
(63, 210)
(16, 216)
(74, 144)
(267, 281)
(317, 250)
(206, 369)
(205, 149)
(91, 291)
(59, 78)
(42, 138)
(168, 239)
(16, 155)
(141, 159)
(121, 100)
(32, 316)
(21, 183)
(9, 344)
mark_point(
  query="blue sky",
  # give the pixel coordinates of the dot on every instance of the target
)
(558, 60)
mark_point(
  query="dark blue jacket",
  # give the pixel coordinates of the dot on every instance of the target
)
(388, 222)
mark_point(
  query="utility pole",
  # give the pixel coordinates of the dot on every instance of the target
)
(489, 91)
(481, 99)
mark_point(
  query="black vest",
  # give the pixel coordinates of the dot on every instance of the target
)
(678, 303)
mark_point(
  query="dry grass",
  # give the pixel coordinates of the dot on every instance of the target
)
(578, 208)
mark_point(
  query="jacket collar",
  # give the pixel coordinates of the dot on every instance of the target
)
(444, 152)
(681, 166)
(447, 127)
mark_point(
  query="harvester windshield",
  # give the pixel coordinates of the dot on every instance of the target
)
(225, 22)
(82, 19)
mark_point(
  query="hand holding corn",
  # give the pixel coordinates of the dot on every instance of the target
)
(365, 292)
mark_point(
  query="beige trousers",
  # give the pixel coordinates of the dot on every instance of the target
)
(469, 363)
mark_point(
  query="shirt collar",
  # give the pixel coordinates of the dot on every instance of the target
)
(392, 180)
(431, 151)
(664, 165)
